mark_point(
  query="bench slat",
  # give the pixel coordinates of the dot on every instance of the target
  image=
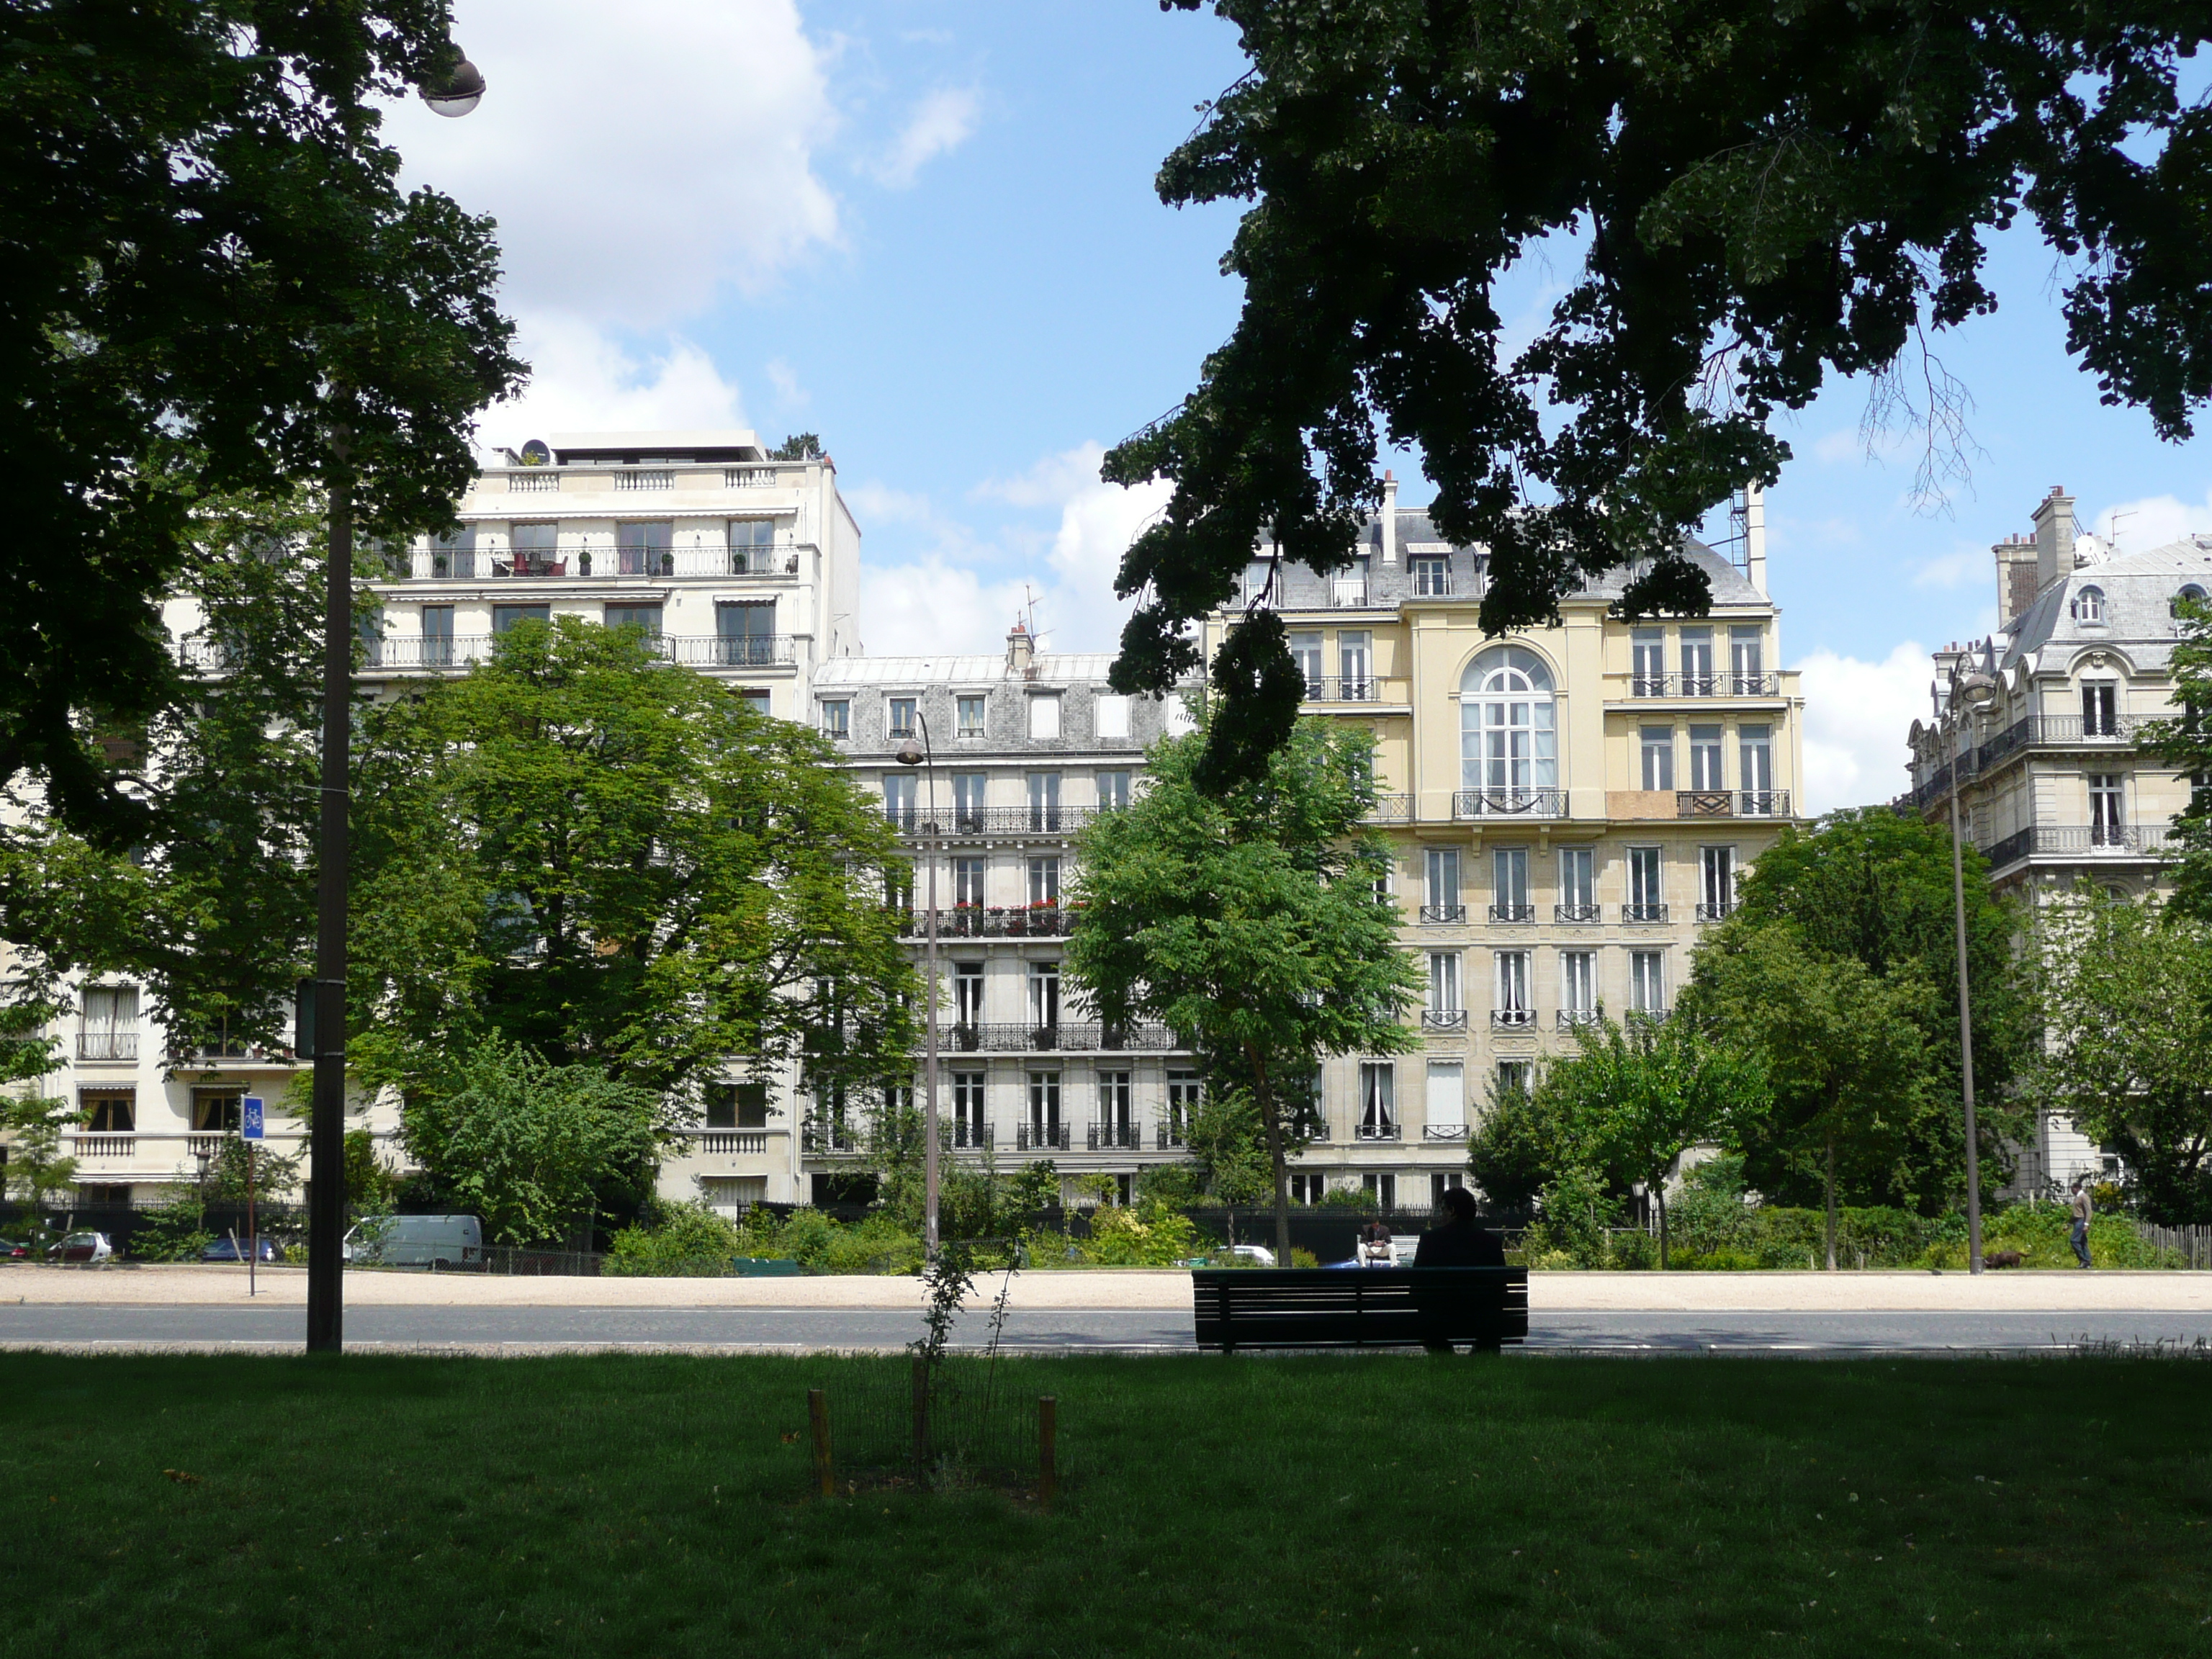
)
(1372, 1307)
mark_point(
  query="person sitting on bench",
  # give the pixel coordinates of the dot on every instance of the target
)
(1460, 1241)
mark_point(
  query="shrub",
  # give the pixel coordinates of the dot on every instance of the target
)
(682, 1239)
(1150, 1234)
(1349, 1198)
(177, 1231)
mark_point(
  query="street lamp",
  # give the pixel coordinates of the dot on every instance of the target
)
(1976, 690)
(911, 753)
(319, 1018)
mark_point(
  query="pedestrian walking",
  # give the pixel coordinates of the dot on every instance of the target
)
(2082, 1209)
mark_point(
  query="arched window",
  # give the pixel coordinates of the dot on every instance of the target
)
(1508, 740)
(2191, 593)
(2089, 606)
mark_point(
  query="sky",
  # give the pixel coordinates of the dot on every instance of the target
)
(929, 233)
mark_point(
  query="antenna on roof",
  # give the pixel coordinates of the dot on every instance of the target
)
(2112, 534)
(1029, 609)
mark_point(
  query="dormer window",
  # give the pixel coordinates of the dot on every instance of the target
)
(2191, 593)
(2089, 606)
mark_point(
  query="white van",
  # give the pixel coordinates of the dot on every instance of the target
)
(416, 1241)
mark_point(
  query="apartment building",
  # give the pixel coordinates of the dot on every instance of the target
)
(2049, 782)
(1024, 751)
(1568, 808)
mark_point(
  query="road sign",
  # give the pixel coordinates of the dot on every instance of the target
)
(249, 1118)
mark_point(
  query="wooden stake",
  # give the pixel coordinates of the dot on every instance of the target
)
(1047, 1435)
(818, 1414)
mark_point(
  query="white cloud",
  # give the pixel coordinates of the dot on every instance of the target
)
(584, 381)
(2153, 521)
(1955, 569)
(941, 123)
(785, 379)
(636, 158)
(1856, 718)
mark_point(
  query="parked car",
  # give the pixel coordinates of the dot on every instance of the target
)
(416, 1241)
(82, 1247)
(11, 1251)
(229, 1249)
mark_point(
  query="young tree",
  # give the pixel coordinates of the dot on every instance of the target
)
(1524, 1144)
(1843, 1055)
(1875, 887)
(614, 862)
(1757, 198)
(2126, 998)
(2185, 742)
(1248, 923)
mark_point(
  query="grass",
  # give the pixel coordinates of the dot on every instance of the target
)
(1358, 1507)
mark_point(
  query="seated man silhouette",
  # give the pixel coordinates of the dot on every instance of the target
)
(1459, 1242)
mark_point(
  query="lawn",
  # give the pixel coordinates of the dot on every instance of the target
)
(1364, 1507)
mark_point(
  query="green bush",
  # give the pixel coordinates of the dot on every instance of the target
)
(1148, 1234)
(1348, 1198)
(682, 1240)
(177, 1231)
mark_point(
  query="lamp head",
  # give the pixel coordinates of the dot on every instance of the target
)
(461, 91)
(909, 753)
(1977, 690)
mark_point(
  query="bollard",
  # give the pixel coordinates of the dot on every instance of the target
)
(818, 1414)
(920, 1416)
(1047, 1434)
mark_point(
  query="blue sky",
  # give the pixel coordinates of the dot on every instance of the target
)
(929, 233)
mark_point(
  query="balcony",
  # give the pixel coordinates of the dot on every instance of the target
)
(433, 655)
(1390, 809)
(600, 564)
(1169, 1136)
(222, 1050)
(107, 1045)
(1443, 1019)
(1348, 595)
(1732, 803)
(995, 922)
(1643, 915)
(2081, 842)
(1362, 688)
(1575, 913)
(103, 1145)
(1116, 1137)
(1443, 914)
(823, 1136)
(1444, 1132)
(1510, 803)
(976, 820)
(1372, 1130)
(729, 1143)
(1513, 915)
(1040, 1137)
(1705, 685)
(1513, 1019)
(970, 1137)
(1570, 1019)
(1059, 1039)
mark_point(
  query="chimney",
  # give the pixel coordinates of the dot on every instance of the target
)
(1020, 657)
(2054, 538)
(2015, 559)
(1754, 535)
(1389, 518)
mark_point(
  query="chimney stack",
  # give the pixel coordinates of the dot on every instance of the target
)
(1021, 656)
(2054, 538)
(1389, 518)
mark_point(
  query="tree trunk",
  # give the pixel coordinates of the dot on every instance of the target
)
(1263, 1098)
(1832, 1200)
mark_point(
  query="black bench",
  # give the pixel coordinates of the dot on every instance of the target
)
(1359, 1308)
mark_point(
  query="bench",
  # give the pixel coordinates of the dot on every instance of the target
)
(1359, 1308)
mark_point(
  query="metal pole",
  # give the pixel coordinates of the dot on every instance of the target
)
(1965, 1032)
(929, 1237)
(326, 1122)
(252, 1238)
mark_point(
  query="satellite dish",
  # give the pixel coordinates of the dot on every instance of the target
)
(535, 453)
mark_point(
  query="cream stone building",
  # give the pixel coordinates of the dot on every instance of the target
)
(1568, 808)
(2050, 784)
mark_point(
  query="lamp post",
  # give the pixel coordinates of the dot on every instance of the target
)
(923, 754)
(1975, 690)
(320, 1018)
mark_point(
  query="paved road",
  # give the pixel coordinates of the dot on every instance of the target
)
(1092, 1329)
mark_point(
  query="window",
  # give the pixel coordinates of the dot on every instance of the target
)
(1748, 662)
(1044, 802)
(1514, 1075)
(645, 549)
(1446, 1100)
(753, 547)
(1185, 1093)
(1378, 1100)
(968, 716)
(2191, 594)
(969, 1126)
(2100, 708)
(898, 799)
(1697, 662)
(1509, 748)
(1113, 791)
(1511, 1008)
(531, 551)
(1646, 898)
(437, 636)
(1044, 994)
(968, 993)
(1354, 657)
(1308, 1185)
(1445, 1007)
(756, 699)
(1716, 882)
(1305, 650)
(1647, 649)
(1044, 1109)
(1442, 1181)
(2108, 814)
(217, 1110)
(646, 618)
(1431, 577)
(968, 793)
(1577, 986)
(736, 1105)
(744, 633)
(110, 1029)
(1044, 882)
(1044, 714)
(454, 555)
(968, 884)
(2089, 606)
(1510, 886)
(1382, 1186)
(1441, 894)
(1578, 892)
(898, 717)
(1658, 743)
(1258, 575)
(506, 616)
(837, 719)
(1647, 982)
(1755, 758)
(1114, 1122)
(1705, 758)
(108, 1111)
(1110, 715)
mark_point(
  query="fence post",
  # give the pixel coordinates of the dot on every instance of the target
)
(1048, 1437)
(818, 1414)
(920, 1416)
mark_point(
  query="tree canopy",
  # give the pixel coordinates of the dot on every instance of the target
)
(214, 285)
(2184, 741)
(1756, 199)
(1250, 923)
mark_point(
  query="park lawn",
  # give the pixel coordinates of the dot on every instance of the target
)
(1362, 1507)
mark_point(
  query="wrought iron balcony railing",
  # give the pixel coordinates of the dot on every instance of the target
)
(1729, 685)
(1440, 914)
(1513, 1019)
(1569, 1019)
(1444, 1019)
(1642, 913)
(1068, 1037)
(1116, 1137)
(1513, 913)
(1040, 1137)
(1343, 688)
(107, 1045)
(994, 922)
(1575, 913)
(436, 654)
(598, 564)
(1731, 803)
(2080, 841)
(1510, 803)
(1370, 1130)
(962, 822)
(1714, 912)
